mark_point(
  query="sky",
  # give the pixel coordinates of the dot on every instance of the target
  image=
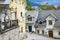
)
(50, 2)
(39, 2)
(7, 2)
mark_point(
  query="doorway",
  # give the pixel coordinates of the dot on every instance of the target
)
(30, 28)
(42, 31)
(50, 33)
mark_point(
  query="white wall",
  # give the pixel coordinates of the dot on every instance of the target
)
(47, 21)
(40, 31)
(56, 34)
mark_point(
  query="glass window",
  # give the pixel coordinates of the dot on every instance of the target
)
(15, 15)
(50, 22)
(30, 19)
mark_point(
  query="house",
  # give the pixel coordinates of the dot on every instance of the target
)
(3, 13)
(30, 20)
(48, 23)
(5, 18)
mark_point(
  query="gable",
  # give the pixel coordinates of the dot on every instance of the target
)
(50, 18)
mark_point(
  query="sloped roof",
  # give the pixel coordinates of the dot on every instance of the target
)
(45, 13)
(54, 16)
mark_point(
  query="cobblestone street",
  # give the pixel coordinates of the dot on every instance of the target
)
(15, 35)
(38, 37)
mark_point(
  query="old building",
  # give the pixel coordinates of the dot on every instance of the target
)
(4, 15)
(5, 18)
(30, 20)
(48, 23)
(18, 12)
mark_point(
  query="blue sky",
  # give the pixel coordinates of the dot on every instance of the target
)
(7, 2)
(50, 2)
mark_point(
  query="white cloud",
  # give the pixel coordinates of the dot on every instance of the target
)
(44, 3)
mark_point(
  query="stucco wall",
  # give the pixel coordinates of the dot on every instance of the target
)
(56, 33)
(47, 21)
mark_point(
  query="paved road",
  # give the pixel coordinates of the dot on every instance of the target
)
(37, 37)
(16, 35)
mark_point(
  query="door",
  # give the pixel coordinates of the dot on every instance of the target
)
(42, 31)
(50, 33)
(38, 31)
(30, 28)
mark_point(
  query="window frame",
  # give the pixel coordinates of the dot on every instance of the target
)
(50, 22)
(29, 18)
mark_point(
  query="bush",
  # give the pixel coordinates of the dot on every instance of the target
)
(29, 8)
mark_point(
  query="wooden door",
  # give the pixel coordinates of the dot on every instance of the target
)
(50, 33)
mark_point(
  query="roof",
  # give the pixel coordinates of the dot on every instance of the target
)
(44, 13)
(54, 16)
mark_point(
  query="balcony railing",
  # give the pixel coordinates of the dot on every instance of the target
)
(12, 24)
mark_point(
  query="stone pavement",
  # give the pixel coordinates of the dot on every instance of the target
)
(37, 37)
(16, 35)
(11, 35)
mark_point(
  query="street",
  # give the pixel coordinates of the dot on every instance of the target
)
(15, 34)
(37, 37)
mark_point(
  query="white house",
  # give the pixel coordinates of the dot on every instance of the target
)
(48, 23)
(30, 20)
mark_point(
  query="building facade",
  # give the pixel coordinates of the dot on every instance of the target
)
(18, 12)
(4, 16)
(48, 23)
(30, 20)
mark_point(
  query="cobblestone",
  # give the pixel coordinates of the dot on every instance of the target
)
(15, 35)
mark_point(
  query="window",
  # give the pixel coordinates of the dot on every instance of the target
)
(21, 29)
(50, 22)
(21, 14)
(59, 33)
(15, 15)
(12, 0)
(30, 19)
(14, 23)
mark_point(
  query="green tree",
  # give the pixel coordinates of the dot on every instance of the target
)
(28, 7)
(47, 7)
